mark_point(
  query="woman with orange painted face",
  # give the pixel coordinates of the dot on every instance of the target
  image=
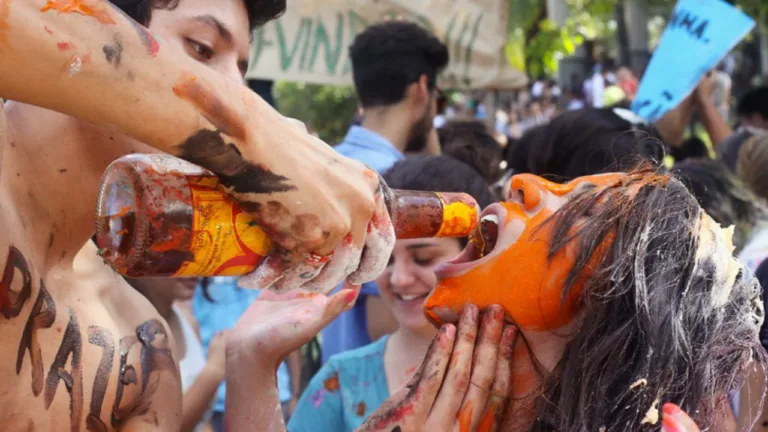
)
(626, 296)
(352, 385)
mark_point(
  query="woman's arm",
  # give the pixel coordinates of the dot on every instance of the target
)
(198, 397)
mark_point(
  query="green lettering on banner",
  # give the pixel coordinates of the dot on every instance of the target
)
(356, 24)
(470, 45)
(459, 42)
(331, 53)
(259, 42)
(305, 48)
(287, 55)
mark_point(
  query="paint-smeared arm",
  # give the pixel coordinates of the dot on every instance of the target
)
(85, 58)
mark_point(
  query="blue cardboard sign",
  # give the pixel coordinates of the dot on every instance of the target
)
(699, 34)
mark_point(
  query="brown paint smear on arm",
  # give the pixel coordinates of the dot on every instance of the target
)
(95, 9)
(222, 116)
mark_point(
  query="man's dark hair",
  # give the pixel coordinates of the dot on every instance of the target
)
(388, 57)
(438, 174)
(470, 142)
(585, 142)
(754, 102)
(259, 11)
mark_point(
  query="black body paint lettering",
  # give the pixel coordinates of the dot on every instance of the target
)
(114, 52)
(208, 149)
(156, 357)
(42, 317)
(71, 345)
(12, 302)
(100, 337)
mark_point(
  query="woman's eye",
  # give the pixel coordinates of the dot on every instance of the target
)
(423, 262)
(201, 51)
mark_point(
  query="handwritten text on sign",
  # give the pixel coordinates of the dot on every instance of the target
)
(310, 43)
(699, 34)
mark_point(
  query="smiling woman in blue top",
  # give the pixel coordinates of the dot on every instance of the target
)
(395, 67)
(354, 384)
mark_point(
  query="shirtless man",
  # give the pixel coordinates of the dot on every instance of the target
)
(82, 350)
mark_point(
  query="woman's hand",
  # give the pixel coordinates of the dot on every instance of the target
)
(463, 383)
(217, 355)
(276, 325)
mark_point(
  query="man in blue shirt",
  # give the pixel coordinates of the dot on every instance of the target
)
(229, 302)
(395, 67)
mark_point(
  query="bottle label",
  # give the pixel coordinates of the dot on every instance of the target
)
(226, 241)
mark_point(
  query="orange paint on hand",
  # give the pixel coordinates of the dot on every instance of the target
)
(332, 384)
(487, 422)
(204, 98)
(64, 46)
(97, 10)
(465, 418)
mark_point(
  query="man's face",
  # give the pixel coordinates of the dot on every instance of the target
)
(755, 120)
(422, 125)
(214, 33)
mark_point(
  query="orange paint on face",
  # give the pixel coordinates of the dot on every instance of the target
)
(522, 279)
(332, 384)
(95, 9)
(221, 115)
(465, 418)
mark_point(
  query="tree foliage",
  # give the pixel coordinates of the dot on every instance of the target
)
(326, 109)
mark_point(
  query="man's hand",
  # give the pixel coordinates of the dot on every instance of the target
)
(325, 212)
(704, 90)
(463, 383)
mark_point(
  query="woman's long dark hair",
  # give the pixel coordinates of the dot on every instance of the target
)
(662, 319)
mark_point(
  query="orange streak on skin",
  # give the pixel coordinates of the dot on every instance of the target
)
(98, 11)
(489, 417)
(221, 115)
(465, 418)
(64, 46)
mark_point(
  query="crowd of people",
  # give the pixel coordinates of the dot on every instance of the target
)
(599, 293)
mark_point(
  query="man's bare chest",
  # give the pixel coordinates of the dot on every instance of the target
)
(74, 361)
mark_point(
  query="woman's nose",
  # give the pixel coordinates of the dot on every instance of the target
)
(529, 190)
(401, 274)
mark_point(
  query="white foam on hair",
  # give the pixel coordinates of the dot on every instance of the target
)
(716, 245)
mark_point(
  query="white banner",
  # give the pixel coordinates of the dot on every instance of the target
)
(310, 43)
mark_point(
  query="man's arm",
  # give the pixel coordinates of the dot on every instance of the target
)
(85, 58)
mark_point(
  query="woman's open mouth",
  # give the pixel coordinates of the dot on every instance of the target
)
(481, 243)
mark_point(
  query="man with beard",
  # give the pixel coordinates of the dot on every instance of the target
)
(395, 67)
